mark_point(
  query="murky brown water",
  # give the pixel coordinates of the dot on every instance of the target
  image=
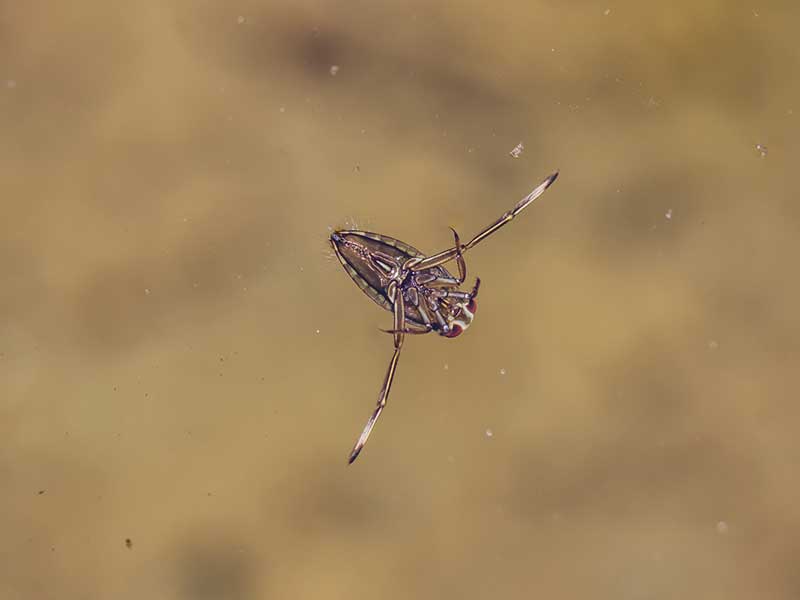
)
(183, 368)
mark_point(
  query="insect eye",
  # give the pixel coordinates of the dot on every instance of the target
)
(455, 331)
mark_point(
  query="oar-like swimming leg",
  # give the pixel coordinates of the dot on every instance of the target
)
(416, 264)
(399, 334)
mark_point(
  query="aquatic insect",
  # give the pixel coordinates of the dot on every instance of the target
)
(417, 289)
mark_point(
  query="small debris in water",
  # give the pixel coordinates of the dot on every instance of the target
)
(668, 214)
(240, 20)
(713, 345)
(334, 70)
(762, 150)
(489, 433)
(607, 12)
(517, 151)
(446, 366)
(502, 371)
(146, 291)
(722, 527)
(128, 543)
(317, 330)
(283, 109)
(653, 102)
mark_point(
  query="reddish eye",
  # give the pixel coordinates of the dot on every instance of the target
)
(472, 306)
(455, 331)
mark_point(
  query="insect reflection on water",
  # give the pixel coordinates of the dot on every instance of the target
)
(422, 295)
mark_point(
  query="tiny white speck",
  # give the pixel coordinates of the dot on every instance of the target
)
(146, 291)
(722, 527)
(668, 214)
(334, 70)
(607, 12)
(489, 433)
(502, 371)
(282, 109)
(446, 366)
(517, 151)
(318, 331)
(240, 20)
(762, 150)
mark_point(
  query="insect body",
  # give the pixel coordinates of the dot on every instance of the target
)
(431, 298)
(422, 295)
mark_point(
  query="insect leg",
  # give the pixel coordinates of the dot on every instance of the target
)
(462, 266)
(447, 255)
(438, 314)
(431, 280)
(412, 297)
(475, 287)
(410, 330)
(399, 334)
(414, 300)
(451, 294)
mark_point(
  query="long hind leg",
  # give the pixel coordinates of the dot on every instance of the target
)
(444, 256)
(383, 396)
